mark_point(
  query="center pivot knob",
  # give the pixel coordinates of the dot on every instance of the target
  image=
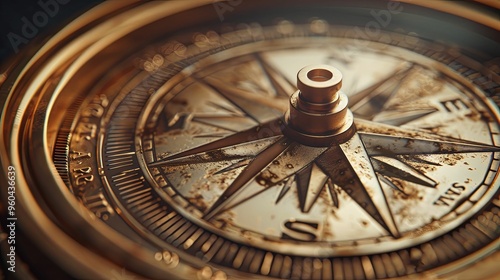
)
(318, 113)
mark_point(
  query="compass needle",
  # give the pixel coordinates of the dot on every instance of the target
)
(379, 144)
(259, 108)
(264, 131)
(394, 168)
(281, 85)
(253, 168)
(310, 183)
(366, 103)
(349, 167)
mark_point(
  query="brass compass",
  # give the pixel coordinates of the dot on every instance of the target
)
(237, 140)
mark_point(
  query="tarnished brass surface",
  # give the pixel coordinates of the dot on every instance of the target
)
(255, 140)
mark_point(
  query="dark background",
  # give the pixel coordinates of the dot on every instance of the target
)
(12, 13)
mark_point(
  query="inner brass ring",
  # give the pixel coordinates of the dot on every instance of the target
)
(319, 75)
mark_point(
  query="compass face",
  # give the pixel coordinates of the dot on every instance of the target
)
(210, 153)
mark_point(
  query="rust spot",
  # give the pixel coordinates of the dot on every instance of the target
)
(409, 144)
(265, 178)
(453, 159)
(198, 201)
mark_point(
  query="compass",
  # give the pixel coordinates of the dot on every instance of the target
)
(237, 140)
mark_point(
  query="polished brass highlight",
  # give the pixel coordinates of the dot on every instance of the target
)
(318, 114)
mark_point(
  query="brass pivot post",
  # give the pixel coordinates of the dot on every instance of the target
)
(318, 113)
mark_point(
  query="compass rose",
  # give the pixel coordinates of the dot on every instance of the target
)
(320, 146)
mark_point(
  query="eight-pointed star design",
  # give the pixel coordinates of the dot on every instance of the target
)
(358, 166)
